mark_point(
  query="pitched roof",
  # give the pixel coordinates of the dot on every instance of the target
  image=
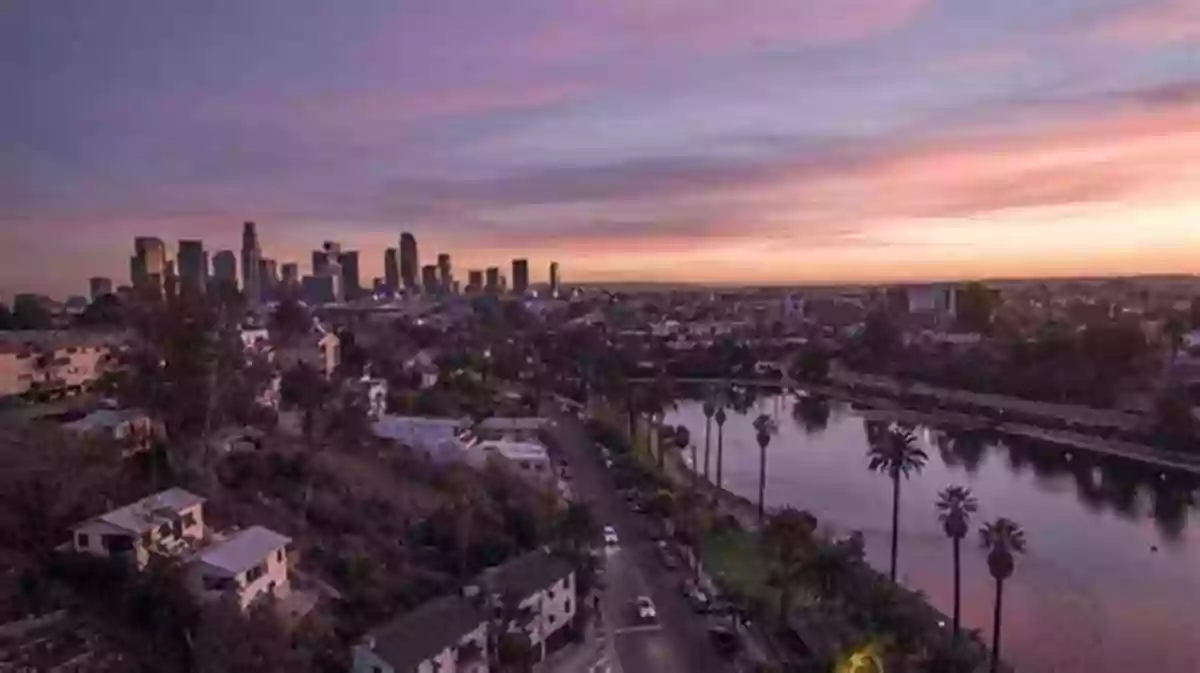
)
(529, 573)
(243, 550)
(426, 631)
(151, 511)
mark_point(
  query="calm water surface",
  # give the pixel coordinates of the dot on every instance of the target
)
(1112, 575)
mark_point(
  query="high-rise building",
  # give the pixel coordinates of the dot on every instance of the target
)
(268, 278)
(98, 286)
(289, 273)
(445, 272)
(351, 282)
(148, 266)
(224, 265)
(333, 269)
(554, 280)
(391, 269)
(493, 280)
(193, 272)
(429, 278)
(251, 256)
(410, 264)
(474, 280)
(520, 276)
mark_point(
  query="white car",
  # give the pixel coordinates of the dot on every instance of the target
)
(645, 608)
(610, 536)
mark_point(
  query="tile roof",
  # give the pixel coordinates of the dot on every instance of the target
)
(426, 631)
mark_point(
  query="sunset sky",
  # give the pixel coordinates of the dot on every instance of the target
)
(692, 140)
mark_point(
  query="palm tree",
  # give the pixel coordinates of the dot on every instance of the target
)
(787, 541)
(896, 454)
(955, 506)
(709, 410)
(720, 416)
(765, 427)
(1002, 538)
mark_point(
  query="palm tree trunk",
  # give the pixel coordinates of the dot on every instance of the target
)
(895, 522)
(762, 481)
(957, 585)
(707, 444)
(720, 454)
(695, 467)
(996, 627)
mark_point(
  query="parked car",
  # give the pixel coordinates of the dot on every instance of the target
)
(645, 608)
(724, 639)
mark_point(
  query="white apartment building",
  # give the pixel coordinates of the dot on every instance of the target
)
(63, 361)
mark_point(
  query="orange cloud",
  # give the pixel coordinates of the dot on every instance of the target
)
(1150, 24)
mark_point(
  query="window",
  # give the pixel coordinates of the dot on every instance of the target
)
(81, 540)
(567, 605)
(189, 519)
(117, 543)
(550, 594)
(255, 572)
(218, 583)
(279, 556)
(552, 619)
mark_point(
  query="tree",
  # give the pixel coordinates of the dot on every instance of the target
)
(975, 307)
(896, 455)
(508, 642)
(709, 410)
(29, 312)
(955, 506)
(104, 311)
(1174, 424)
(764, 427)
(811, 413)
(1002, 539)
(720, 417)
(787, 541)
(7, 322)
(681, 438)
(290, 320)
(303, 387)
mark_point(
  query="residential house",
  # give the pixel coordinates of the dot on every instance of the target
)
(441, 440)
(130, 427)
(449, 634)
(250, 563)
(53, 362)
(423, 363)
(170, 523)
(530, 460)
(445, 635)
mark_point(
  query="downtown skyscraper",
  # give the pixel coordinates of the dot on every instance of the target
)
(445, 273)
(192, 263)
(391, 270)
(520, 276)
(148, 266)
(251, 261)
(554, 280)
(410, 263)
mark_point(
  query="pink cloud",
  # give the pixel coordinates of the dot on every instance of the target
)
(1150, 23)
(689, 27)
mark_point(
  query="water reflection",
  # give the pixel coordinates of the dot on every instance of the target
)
(1109, 569)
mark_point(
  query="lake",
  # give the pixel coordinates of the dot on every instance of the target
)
(1113, 566)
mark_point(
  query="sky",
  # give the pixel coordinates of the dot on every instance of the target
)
(762, 141)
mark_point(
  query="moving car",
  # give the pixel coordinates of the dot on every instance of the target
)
(668, 559)
(610, 536)
(645, 608)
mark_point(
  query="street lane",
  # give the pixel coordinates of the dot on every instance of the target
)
(678, 642)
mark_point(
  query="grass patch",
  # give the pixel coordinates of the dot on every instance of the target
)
(735, 560)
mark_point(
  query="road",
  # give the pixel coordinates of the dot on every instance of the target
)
(678, 642)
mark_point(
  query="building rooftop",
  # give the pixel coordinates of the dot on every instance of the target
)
(243, 550)
(426, 631)
(526, 574)
(500, 423)
(151, 511)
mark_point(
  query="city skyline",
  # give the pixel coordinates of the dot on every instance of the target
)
(789, 142)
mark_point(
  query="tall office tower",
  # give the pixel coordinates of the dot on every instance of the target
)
(98, 286)
(193, 273)
(289, 273)
(391, 269)
(410, 264)
(319, 261)
(429, 278)
(333, 270)
(225, 269)
(351, 283)
(289, 279)
(520, 276)
(554, 280)
(493, 280)
(251, 256)
(445, 272)
(170, 282)
(268, 278)
(474, 280)
(148, 266)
